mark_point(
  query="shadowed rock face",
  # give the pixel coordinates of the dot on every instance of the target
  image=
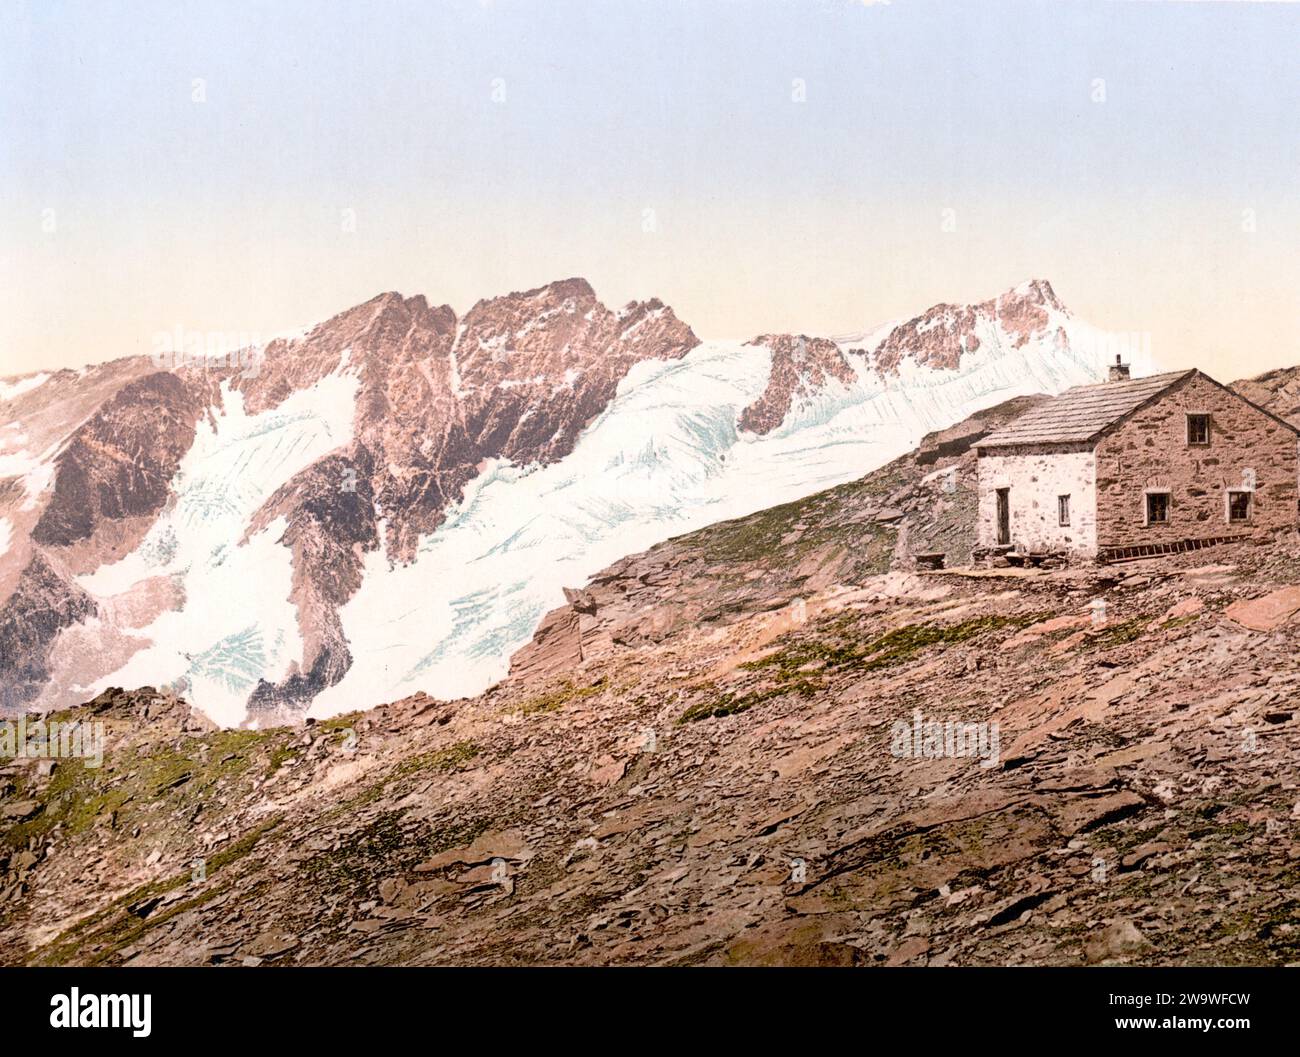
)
(801, 367)
(114, 471)
(329, 529)
(120, 464)
(42, 605)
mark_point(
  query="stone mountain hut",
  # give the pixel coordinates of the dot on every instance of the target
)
(1136, 466)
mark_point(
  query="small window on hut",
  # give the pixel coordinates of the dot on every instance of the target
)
(1062, 509)
(1238, 506)
(1198, 429)
(1157, 508)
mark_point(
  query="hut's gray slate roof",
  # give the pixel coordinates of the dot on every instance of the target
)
(1081, 413)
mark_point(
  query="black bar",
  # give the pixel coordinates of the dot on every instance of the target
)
(488, 1006)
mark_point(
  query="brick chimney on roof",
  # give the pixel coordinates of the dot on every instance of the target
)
(1118, 371)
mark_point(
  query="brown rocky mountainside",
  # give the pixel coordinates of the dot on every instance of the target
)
(1278, 391)
(947, 332)
(699, 761)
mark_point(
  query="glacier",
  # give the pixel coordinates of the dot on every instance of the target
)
(237, 624)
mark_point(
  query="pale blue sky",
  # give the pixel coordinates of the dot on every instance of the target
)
(768, 214)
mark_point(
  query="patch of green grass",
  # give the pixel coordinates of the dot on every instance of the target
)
(338, 729)
(1119, 634)
(560, 696)
(829, 647)
(756, 538)
(129, 781)
(280, 755)
(340, 723)
(733, 704)
(439, 761)
(451, 758)
(891, 648)
(385, 847)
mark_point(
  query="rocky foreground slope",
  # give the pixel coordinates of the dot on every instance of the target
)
(711, 772)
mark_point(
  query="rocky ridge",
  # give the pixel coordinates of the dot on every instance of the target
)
(939, 338)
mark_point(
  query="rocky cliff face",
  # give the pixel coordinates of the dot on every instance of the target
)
(118, 466)
(518, 378)
(801, 368)
(41, 606)
(85, 460)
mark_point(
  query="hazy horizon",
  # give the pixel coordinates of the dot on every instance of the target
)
(761, 167)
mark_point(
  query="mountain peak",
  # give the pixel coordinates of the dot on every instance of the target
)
(562, 289)
(940, 336)
(1035, 291)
